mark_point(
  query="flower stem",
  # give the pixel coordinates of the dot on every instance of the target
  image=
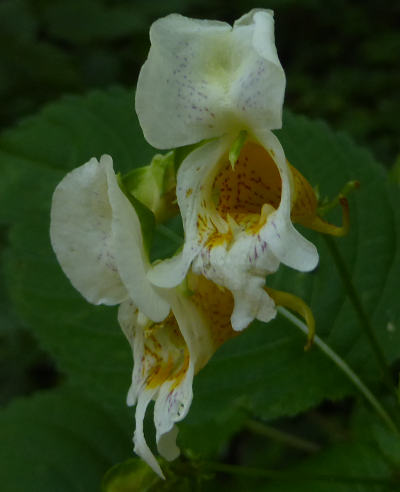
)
(284, 437)
(345, 368)
(362, 316)
(289, 477)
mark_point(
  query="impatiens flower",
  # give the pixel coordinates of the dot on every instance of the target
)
(167, 355)
(205, 79)
(97, 237)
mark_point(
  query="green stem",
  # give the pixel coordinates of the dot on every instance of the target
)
(345, 368)
(280, 436)
(362, 316)
(287, 476)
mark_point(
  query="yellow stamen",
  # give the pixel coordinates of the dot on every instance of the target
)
(297, 305)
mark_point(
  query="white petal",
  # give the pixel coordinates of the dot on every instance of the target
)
(133, 323)
(203, 79)
(242, 268)
(130, 257)
(173, 401)
(288, 245)
(81, 235)
(141, 448)
(175, 101)
(259, 85)
(166, 444)
(194, 174)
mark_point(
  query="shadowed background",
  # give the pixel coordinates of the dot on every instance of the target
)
(341, 58)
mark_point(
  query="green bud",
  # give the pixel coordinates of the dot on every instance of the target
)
(154, 186)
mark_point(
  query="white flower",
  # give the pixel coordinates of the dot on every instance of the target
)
(97, 237)
(204, 79)
(167, 355)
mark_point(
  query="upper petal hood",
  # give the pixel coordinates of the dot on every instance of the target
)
(203, 79)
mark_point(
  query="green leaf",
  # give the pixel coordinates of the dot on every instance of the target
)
(367, 460)
(264, 371)
(58, 441)
(133, 475)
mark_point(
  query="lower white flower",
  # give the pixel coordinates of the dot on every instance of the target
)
(167, 355)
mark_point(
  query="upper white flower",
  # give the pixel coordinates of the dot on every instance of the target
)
(204, 79)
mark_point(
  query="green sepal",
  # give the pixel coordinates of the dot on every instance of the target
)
(146, 216)
(237, 147)
(154, 185)
(133, 475)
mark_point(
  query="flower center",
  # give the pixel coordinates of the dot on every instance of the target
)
(242, 192)
(166, 354)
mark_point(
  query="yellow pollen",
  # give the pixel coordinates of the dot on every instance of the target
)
(254, 182)
(166, 355)
(216, 304)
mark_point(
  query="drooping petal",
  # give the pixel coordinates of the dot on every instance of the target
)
(175, 397)
(194, 175)
(130, 256)
(81, 233)
(203, 79)
(140, 446)
(166, 357)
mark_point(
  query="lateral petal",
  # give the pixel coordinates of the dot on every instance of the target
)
(194, 175)
(288, 245)
(81, 233)
(130, 257)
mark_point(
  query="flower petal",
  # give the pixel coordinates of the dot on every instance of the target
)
(203, 79)
(130, 256)
(81, 235)
(241, 267)
(166, 357)
(288, 245)
(140, 446)
(175, 397)
(193, 175)
(259, 86)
